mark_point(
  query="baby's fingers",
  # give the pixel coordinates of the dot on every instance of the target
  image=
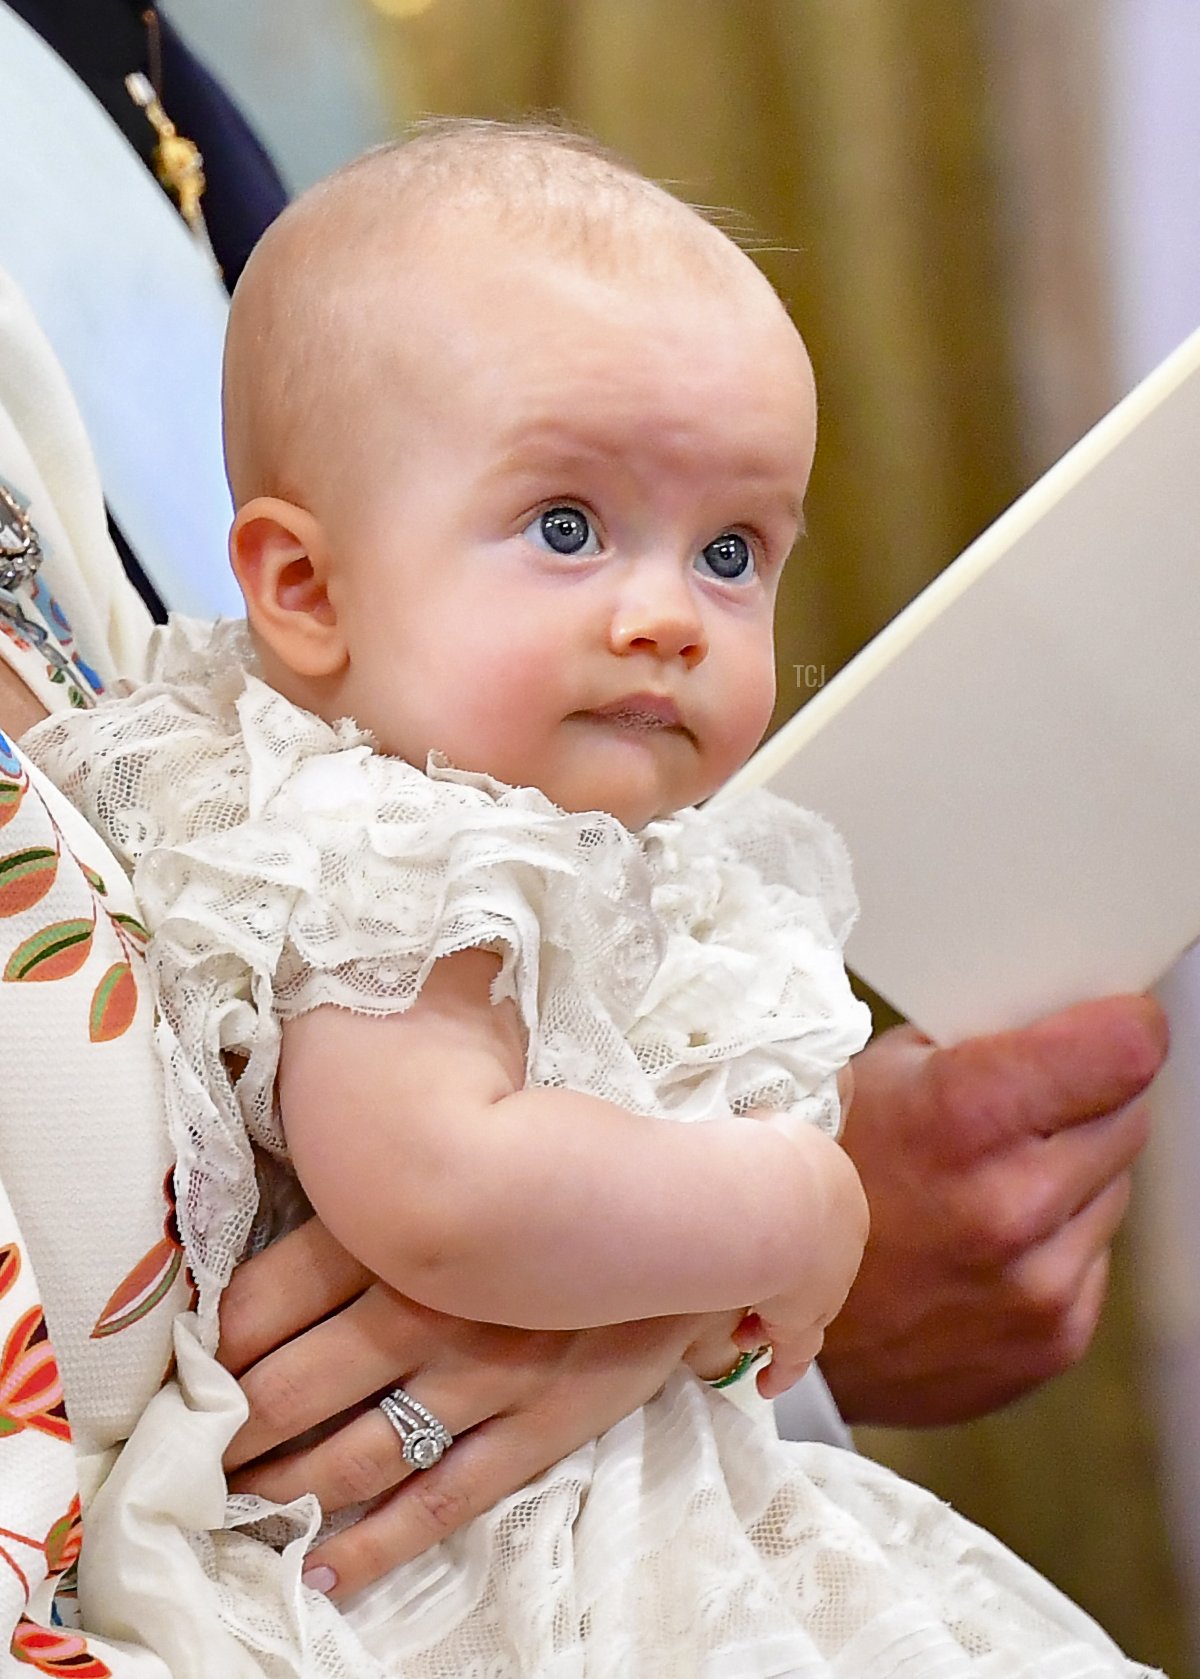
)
(750, 1333)
(779, 1375)
(792, 1352)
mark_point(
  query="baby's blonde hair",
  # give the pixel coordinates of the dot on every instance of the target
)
(304, 332)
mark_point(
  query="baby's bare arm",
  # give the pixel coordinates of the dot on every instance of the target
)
(423, 1153)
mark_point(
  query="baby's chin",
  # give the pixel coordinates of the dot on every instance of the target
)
(628, 785)
(633, 809)
(636, 777)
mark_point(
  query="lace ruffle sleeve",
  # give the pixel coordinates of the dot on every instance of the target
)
(750, 1005)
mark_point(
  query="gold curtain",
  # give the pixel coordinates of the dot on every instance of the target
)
(858, 142)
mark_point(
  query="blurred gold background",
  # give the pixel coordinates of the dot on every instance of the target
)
(915, 176)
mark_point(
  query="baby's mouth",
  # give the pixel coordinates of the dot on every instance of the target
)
(640, 711)
(640, 714)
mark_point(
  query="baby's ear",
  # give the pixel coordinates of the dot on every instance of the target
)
(281, 561)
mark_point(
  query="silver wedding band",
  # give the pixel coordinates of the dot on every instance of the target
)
(423, 1438)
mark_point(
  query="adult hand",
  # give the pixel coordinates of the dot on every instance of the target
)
(997, 1173)
(312, 1335)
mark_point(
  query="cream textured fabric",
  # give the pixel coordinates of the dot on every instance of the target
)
(283, 864)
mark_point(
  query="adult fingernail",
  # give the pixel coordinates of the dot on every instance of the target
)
(319, 1578)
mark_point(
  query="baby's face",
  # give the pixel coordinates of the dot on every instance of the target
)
(560, 544)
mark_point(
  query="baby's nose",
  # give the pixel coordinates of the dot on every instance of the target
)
(660, 616)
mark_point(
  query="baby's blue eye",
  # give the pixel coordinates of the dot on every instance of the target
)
(728, 556)
(563, 530)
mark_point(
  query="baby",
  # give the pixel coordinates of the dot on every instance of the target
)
(519, 446)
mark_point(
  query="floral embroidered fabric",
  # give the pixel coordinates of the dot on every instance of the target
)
(92, 1274)
(91, 1271)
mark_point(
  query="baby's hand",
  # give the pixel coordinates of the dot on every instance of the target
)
(793, 1323)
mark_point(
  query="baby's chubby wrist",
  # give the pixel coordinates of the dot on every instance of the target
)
(794, 1204)
(829, 1208)
(816, 1195)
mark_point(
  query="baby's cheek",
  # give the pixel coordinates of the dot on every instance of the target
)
(750, 695)
(509, 694)
(501, 705)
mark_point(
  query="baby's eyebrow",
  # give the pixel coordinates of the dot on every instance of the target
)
(539, 449)
(555, 447)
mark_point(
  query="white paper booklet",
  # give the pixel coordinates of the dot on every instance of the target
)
(1015, 760)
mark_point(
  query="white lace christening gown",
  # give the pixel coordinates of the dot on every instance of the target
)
(280, 864)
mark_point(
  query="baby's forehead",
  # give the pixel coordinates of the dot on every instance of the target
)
(486, 292)
(484, 183)
(356, 283)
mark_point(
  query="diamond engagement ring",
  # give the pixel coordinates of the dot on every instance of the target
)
(423, 1438)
